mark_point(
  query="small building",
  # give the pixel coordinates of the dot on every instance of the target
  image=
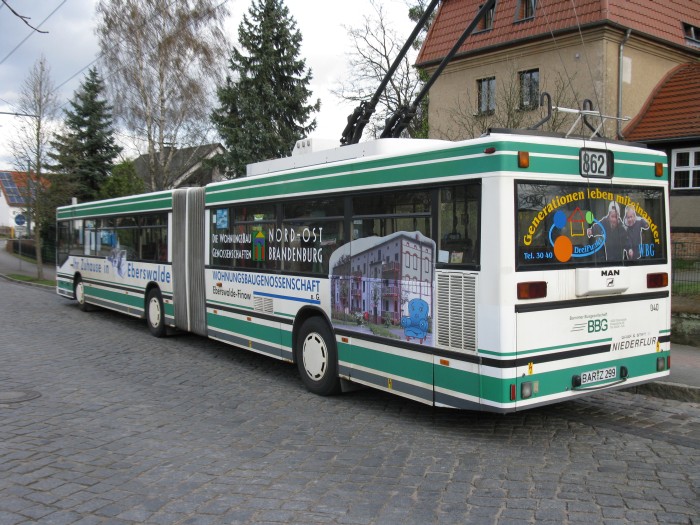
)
(186, 166)
(13, 202)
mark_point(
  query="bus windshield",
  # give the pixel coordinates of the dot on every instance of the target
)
(570, 225)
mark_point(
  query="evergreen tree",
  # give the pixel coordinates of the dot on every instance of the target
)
(124, 181)
(263, 104)
(86, 150)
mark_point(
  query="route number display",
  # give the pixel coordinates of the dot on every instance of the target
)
(595, 163)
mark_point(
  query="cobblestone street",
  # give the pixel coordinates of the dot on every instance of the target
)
(102, 423)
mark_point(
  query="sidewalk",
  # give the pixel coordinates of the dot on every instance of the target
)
(683, 384)
(11, 264)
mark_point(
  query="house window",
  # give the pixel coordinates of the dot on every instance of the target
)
(486, 23)
(487, 95)
(685, 173)
(692, 34)
(525, 10)
(530, 89)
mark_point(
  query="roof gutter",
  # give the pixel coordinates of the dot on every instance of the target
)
(619, 83)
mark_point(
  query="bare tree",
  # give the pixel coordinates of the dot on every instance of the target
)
(37, 102)
(163, 60)
(23, 18)
(374, 45)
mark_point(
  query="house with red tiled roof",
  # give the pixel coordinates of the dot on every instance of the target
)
(637, 61)
(612, 52)
(670, 121)
(13, 193)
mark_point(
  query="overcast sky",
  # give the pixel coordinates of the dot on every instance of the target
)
(70, 46)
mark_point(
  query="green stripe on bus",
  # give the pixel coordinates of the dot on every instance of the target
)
(456, 380)
(387, 364)
(497, 390)
(545, 348)
(560, 381)
(244, 329)
(420, 168)
(133, 301)
(312, 183)
(139, 203)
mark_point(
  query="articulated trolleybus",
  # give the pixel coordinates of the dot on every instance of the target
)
(500, 273)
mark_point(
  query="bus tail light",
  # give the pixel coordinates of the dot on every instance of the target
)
(660, 364)
(512, 392)
(659, 169)
(668, 363)
(526, 389)
(532, 290)
(657, 280)
(523, 159)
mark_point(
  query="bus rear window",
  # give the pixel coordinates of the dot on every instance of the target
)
(570, 225)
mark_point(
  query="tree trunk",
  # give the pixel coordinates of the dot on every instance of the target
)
(37, 248)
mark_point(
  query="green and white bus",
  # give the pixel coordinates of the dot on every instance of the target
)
(500, 273)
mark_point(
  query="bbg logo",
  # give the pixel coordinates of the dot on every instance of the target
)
(597, 325)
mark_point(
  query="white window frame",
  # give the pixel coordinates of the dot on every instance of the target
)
(693, 166)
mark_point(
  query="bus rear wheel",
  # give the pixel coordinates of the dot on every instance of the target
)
(155, 316)
(317, 358)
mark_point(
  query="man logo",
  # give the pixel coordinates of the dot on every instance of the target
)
(610, 283)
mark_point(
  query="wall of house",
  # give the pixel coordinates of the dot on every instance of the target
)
(7, 218)
(567, 66)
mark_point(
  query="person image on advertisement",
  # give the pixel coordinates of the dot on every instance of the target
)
(633, 225)
(615, 234)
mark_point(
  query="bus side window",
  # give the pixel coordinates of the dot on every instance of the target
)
(153, 236)
(458, 224)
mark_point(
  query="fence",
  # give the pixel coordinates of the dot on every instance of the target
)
(685, 260)
(26, 248)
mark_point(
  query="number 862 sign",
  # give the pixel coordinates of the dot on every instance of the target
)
(595, 163)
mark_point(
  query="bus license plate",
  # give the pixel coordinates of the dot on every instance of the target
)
(598, 375)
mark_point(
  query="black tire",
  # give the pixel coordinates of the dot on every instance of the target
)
(155, 315)
(317, 357)
(79, 292)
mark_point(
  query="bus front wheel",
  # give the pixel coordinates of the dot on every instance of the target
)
(154, 313)
(317, 358)
(79, 292)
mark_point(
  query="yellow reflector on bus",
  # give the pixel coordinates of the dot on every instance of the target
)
(532, 290)
(657, 280)
(523, 159)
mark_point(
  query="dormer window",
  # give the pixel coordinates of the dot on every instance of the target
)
(692, 34)
(486, 23)
(525, 9)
